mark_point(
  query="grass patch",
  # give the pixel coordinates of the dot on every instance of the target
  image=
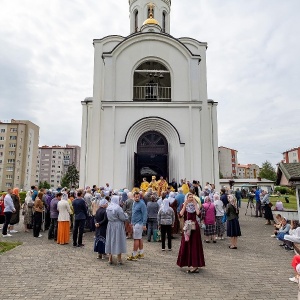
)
(287, 206)
(6, 246)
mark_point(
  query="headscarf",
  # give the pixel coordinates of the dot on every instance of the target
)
(16, 192)
(231, 200)
(64, 196)
(106, 193)
(103, 202)
(97, 196)
(114, 204)
(171, 198)
(190, 207)
(207, 199)
(28, 198)
(165, 205)
(216, 197)
(124, 196)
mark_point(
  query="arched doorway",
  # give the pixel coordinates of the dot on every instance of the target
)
(151, 157)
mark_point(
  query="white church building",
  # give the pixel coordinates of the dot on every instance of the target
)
(149, 114)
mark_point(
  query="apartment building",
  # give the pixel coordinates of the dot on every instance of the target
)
(228, 162)
(291, 156)
(53, 163)
(19, 141)
(250, 171)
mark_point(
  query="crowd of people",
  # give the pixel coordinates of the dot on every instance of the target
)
(156, 210)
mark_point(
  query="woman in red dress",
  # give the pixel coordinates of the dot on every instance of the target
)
(191, 250)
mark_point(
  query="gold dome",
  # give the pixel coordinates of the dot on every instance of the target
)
(151, 21)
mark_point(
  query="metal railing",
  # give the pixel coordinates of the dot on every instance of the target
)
(152, 92)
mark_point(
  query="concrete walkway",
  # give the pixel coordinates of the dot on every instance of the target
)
(41, 269)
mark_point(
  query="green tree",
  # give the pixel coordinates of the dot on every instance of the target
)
(268, 171)
(72, 176)
(65, 181)
(46, 185)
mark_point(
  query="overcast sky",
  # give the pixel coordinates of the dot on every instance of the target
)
(253, 61)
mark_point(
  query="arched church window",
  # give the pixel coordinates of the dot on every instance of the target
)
(164, 22)
(152, 82)
(136, 21)
(150, 11)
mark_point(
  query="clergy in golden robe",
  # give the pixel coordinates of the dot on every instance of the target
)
(144, 185)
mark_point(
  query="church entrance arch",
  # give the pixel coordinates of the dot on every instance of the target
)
(151, 158)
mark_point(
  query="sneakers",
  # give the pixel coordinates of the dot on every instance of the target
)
(140, 256)
(294, 279)
(288, 248)
(13, 231)
(273, 236)
(132, 258)
(6, 235)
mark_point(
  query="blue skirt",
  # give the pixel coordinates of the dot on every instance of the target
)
(233, 228)
(99, 245)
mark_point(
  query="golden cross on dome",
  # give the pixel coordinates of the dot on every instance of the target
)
(151, 6)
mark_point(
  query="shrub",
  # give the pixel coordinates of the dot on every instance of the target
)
(22, 196)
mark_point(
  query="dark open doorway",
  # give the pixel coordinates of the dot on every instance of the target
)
(151, 157)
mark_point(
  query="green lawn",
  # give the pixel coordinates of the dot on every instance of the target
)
(6, 246)
(288, 206)
(291, 205)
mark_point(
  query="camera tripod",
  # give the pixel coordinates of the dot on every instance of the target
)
(251, 204)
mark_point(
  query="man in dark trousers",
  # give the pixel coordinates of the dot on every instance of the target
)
(80, 215)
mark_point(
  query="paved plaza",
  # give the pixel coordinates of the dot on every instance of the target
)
(41, 269)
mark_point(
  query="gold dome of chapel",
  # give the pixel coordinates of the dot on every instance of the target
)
(151, 20)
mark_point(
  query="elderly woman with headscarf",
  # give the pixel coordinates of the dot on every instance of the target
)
(209, 219)
(165, 220)
(233, 225)
(101, 222)
(63, 221)
(220, 223)
(15, 218)
(173, 205)
(115, 234)
(28, 212)
(191, 250)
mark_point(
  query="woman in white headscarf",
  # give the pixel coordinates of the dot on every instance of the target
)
(63, 221)
(101, 222)
(165, 220)
(28, 211)
(115, 234)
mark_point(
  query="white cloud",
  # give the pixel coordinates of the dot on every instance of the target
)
(46, 63)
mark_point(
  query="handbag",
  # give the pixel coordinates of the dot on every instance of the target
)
(224, 218)
(190, 223)
(156, 235)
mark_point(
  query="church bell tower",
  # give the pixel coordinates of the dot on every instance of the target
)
(149, 13)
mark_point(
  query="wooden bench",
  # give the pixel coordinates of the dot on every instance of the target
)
(297, 248)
